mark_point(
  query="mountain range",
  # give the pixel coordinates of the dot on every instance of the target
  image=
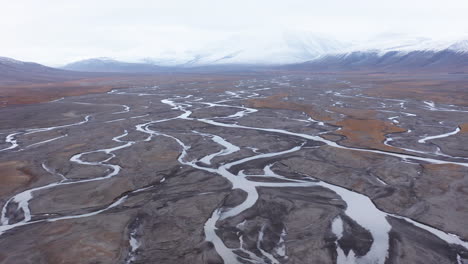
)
(279, 50)
(273, 49)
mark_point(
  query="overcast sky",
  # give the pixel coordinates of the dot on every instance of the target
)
(55, 32)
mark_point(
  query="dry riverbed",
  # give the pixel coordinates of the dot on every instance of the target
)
(247, 169)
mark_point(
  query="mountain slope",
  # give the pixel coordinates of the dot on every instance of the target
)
(18, 72)
(290, 47)
(387, 52)
(445, 60)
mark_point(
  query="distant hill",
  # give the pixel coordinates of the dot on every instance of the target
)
(110, 65)
(14, 72)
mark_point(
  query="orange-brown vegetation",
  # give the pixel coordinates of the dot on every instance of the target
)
(74, 146)
(355, 113)
(166, 156)
(36, 93)
(102, 246)
(464, 128)
(278, 102)
(13, 176)
(444, 175)
(439, 91)
(361, 128)
(43, 92)
(455, 170)
(367, 133)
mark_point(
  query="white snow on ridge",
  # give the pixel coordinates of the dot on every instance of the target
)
(292, 46)
(280, 47)
(285, 47)
(461, 46)
(404, 43)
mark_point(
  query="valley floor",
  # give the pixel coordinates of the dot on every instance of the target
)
(250, 168)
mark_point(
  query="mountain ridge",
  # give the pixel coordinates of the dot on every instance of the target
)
(292, 50)
(276, 49)
(14, 72)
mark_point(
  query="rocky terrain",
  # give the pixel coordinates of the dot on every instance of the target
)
(257, 168)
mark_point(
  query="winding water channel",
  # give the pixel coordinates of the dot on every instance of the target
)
(359, 207)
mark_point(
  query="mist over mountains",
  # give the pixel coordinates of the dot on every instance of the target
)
(297, 50)
(295, 47)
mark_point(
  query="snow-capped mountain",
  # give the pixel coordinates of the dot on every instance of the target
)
(292, 47)
(270, 50)
(384, 43)
(267, 48)
(459, 46)
(247, 48)
(289, 47)
(395, 53)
